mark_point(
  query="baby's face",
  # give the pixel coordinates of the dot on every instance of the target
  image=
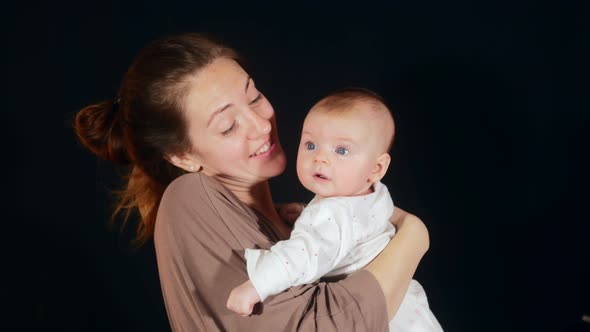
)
(338, 151)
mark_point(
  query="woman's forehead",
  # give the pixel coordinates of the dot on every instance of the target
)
(215, 86)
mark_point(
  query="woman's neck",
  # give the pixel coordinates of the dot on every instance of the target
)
(258, 197)
(264, 203)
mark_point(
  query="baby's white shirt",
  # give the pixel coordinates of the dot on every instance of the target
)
(333, 236)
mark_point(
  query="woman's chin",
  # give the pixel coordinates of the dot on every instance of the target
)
(276, 165)
(280, 163)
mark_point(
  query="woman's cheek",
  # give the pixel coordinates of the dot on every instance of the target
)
(234, 150)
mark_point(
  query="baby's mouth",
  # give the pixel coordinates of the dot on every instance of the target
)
(320, 176)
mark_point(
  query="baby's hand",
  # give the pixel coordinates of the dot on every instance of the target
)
(289, 212)
(243, 298)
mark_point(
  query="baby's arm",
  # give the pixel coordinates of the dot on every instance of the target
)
(243, 298)
(320, 240)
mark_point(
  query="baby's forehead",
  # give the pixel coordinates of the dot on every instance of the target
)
(361, 118)
(351, 121)
(366, 111)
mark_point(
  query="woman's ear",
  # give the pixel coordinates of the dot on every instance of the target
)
(185, 161)
(381, 166)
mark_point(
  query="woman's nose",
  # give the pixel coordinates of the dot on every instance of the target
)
(259, 125)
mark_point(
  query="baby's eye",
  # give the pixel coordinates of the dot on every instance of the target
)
(310, 146)
(342, 151)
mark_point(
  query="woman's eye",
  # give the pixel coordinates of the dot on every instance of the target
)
(310, 145)
(342, 151)
(257, 99)
(229, 130)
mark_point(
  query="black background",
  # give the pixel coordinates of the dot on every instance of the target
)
(491, 104)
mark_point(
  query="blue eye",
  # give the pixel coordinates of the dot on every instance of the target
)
(342, 151)
(310, 146)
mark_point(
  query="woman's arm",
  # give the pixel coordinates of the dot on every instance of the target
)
(201, 233)
(396, 264)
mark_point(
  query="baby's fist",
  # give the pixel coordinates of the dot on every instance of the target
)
(243, 298)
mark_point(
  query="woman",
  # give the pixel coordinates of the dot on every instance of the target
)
(202, 143)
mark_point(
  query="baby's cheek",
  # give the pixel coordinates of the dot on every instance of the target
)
(300, 173)
(300, 165)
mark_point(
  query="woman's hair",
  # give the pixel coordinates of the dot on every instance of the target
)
(146, 122)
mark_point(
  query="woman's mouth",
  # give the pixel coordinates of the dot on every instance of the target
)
(265, 149)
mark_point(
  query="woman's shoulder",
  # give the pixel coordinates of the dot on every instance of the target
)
(191, 203)
(189, 181)
(192, 186)
(198, 194)
(189, 195)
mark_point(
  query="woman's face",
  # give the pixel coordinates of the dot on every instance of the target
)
(232, 126)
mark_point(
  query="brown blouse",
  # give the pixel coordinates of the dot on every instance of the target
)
(201, 232)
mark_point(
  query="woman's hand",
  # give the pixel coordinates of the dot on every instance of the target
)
(394, 267)
(289, 212)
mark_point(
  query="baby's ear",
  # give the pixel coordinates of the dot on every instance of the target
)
(381, 166)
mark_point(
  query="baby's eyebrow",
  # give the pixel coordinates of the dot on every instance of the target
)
(345, 139)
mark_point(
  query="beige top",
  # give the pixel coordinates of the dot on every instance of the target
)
(202, 230)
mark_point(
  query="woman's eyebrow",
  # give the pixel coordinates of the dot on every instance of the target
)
(217, 112)
(248, 80)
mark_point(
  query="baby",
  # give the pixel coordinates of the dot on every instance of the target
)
(343, 155)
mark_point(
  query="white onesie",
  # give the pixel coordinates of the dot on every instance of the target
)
(336, 236)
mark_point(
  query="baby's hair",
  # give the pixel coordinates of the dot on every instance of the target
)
(346, 98)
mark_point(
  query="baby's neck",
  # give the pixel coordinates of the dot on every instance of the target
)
(369, 190)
